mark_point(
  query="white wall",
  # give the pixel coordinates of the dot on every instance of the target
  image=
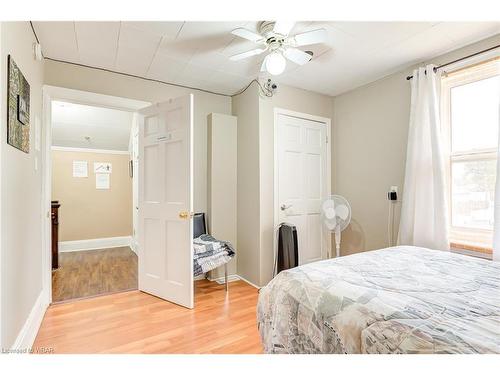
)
(21, 186)
(246, 108)
(222, 183)
(370, 138)
(98, 81)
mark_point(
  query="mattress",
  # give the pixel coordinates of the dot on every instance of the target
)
(397, 300)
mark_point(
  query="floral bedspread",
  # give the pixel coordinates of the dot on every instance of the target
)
(397, 300)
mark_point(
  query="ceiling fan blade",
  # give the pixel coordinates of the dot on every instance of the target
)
(243, 55)
(283, 27)
(297, 56)
(247, 34)
(310, 37)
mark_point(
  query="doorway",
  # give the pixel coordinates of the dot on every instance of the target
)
(160, 157)
(91, 199)
(302, 179)
(89, 155)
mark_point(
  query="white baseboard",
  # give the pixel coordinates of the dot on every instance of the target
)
(248, 282)
(94, 244)
(27, 335)
(231, 278)
(220, 280)
(134, 245)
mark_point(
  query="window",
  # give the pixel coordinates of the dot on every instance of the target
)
(470, 116)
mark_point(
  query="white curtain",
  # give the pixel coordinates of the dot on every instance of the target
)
(424, 216)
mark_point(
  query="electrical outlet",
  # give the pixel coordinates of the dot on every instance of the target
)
(392, 195)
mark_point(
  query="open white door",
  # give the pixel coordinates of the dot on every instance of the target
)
(166, 200)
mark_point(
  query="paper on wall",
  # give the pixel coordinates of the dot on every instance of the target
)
(80, 168)
(102, 167)
(102, 180)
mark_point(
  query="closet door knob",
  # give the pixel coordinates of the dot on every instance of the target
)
(285, 207)
(185, 215)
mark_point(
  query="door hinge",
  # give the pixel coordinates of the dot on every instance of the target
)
(326, 139)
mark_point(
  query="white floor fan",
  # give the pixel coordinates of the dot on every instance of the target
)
(336, 215)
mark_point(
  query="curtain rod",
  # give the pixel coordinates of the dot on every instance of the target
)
(460, 59)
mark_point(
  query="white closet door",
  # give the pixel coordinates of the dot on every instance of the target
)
(302, 182)
(166, 200)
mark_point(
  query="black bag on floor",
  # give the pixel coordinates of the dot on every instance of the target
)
(288, 251)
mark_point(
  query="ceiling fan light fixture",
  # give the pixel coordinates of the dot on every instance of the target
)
(275, 63)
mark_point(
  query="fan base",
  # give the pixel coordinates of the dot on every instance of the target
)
(266, 28)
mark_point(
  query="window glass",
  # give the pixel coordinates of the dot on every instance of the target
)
(475, 115)
(473, 193)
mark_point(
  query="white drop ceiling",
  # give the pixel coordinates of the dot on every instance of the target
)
(106, 129)
(197, 54)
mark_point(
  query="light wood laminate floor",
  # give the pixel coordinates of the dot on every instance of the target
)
(136, 322)
(93, 272)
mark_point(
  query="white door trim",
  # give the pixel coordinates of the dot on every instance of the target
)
(50, 94)
(305, 116)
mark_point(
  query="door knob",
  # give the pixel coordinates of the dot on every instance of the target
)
(285, 207)
(185, 215)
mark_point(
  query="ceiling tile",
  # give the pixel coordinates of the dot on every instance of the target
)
(100, 54)
(378, 35)
(58, 40)
(209, 32)
(468, 32)
(198, 72)
(165, 28)
(177, 49)
(215, 60)
(164, 68)
(230, 82)
(136, 50)
(420, 47)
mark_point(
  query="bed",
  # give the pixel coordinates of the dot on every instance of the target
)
(397, 300)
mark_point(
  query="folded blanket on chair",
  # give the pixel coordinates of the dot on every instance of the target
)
(210, 253)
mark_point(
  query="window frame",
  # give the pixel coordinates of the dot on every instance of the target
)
(474, 239)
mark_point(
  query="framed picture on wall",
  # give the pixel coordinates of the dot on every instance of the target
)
(18, 112)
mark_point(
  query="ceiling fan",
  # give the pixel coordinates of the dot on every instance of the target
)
(273, 38)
